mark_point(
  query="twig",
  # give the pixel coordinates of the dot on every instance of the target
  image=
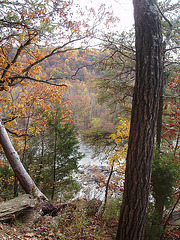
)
(170, 214)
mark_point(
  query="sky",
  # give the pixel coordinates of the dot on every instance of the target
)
(123, 9)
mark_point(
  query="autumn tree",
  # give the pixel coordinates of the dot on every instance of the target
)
(22, 25)
(29, 35)
(117, 79)
(117, 67)
(171, 122)
(170, 24)
(143, 120)
(116, 155)
(55, 152)
(165, 166)
(30, 32)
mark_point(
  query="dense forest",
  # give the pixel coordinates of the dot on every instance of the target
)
(120, 99)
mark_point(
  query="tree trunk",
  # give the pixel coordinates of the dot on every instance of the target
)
(15, 186)
(54, 166)
(103, 207)
(143, 120)
(159, 121)
(25, 180)
(38, 179)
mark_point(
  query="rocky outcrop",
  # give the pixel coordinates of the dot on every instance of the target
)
(13, 208)
(88, 177)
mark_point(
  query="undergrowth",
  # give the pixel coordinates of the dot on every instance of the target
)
(80, 223)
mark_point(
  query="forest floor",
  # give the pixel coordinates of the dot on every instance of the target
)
(80, 223)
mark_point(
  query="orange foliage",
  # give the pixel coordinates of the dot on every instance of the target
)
(29, 105)
(171, 127)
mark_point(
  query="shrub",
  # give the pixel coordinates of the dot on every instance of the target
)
(6, 182)
(92, 207)
(112, 209)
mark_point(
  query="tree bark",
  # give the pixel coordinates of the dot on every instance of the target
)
(143, 120)
(54, 165)
(25, 180)
(15, 186)
(103, 208)
(159, 121)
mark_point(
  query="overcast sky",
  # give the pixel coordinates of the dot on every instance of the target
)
(123, 9)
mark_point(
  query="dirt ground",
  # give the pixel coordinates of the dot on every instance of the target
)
(16, 232)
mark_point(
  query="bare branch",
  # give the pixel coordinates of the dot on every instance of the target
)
(170, 31)
(5, 120)
(165, 18)
(55, 51)
(170, 214)
(88, 65)
(16, 55)
(47, 81)
(173, 48)
(16, 134)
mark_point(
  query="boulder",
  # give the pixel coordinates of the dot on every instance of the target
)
(16, 207)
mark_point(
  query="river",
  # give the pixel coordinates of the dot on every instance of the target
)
(88, 159)
(90, 170)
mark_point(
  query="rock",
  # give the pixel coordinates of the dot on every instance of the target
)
(81, 171)
(13, 208)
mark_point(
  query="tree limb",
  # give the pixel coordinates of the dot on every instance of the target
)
(47, 81)
(53, 52)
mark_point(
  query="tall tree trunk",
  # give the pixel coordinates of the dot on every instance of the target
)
(25, 140)
(143, 120)
(25, 180)
(159, 121)
(158, 203)
(54, 165)
(15, 186)
(103, 208)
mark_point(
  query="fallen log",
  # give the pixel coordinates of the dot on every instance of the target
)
(24, 178)
(54, 210)
(13, 208)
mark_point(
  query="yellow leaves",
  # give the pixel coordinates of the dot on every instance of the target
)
(44, 20)
(122, 132)
(38, 55)
(22, 36)
(7, 180)
(30, 104)
(117, 157)
(2, 163)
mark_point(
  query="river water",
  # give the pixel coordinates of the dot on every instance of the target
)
(89, 167)
(88, 159)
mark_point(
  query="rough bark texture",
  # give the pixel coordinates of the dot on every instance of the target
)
(25, 180)
(143, 120)
(159, 122)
